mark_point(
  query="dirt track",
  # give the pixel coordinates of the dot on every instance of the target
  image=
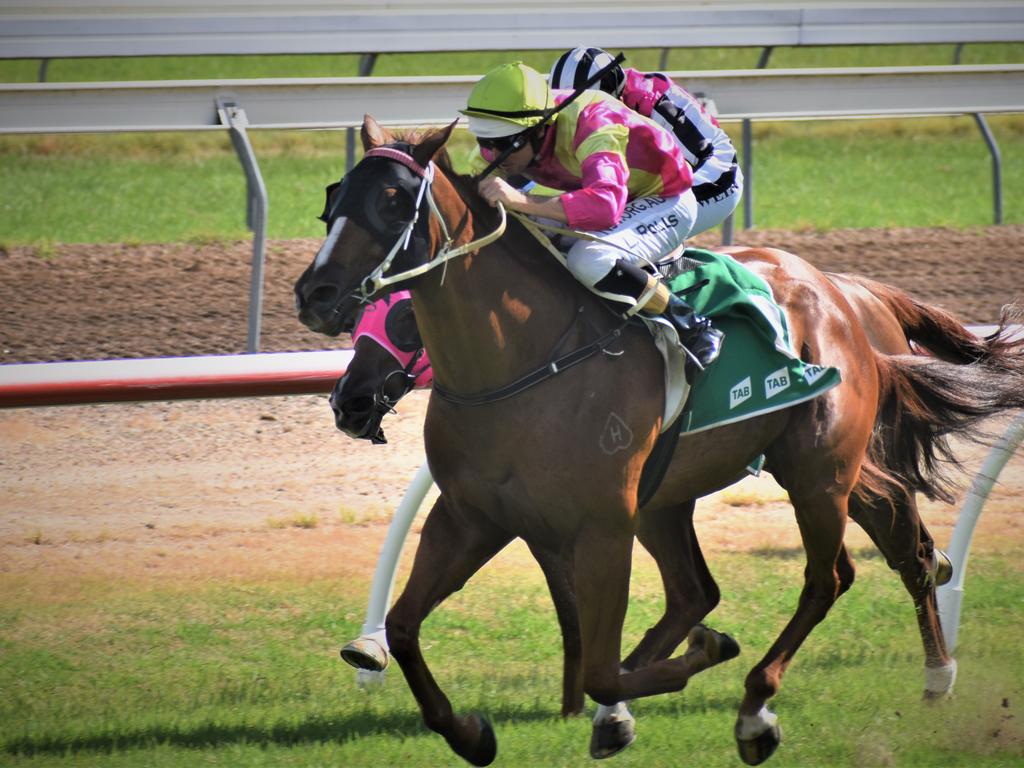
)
(226, 486)
(93, 302)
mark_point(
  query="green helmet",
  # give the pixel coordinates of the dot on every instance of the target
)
(512, 92)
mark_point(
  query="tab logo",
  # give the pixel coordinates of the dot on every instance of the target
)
(775, 382)
(740, 393)
(813, 372)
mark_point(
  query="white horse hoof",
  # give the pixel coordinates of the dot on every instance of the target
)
(757, 736)
(612, 734)
(366, 653)
(938, 681)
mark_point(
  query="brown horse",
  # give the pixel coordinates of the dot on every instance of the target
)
(532, 465)
(378, 376)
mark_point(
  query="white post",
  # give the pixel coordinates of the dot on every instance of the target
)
(951, 595)
(383, 583)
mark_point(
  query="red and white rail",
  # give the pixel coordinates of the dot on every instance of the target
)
(171, 378)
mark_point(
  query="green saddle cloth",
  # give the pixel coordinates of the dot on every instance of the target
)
(758, 372)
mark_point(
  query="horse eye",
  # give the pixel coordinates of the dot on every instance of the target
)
(394, 205)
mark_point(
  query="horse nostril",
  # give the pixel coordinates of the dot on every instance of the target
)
(356, 406)
(323, 296)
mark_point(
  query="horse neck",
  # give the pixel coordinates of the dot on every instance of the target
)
(498, 313)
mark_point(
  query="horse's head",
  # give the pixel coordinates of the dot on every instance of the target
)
(389, 361)
(378, 224)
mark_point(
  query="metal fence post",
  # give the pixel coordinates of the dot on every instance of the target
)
(748, 156)
(993, 150)
(950, 596)
(366, 62)
(233, 116)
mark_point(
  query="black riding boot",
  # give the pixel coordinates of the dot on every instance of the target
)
(696, 334)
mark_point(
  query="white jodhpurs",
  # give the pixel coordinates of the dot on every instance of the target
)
(714, 210)
(650, 228)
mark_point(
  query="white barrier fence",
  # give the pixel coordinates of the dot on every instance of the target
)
(72, 28)
(339, 102)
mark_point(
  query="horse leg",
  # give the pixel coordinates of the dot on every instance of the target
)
(829, 572)
(900, 534)
(557, 568)
(690, 590)
(602, 561)
(690, 594)
(452, 548)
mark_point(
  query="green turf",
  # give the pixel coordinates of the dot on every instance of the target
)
(175, 187)
(474, 62)
(246, 674)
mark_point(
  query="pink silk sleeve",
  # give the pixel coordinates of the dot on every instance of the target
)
(599, 203)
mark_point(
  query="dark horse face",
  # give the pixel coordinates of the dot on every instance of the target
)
(369, 216)
(389, 361)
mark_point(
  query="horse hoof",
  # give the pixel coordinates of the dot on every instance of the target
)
(611, 737)
(717, 645)
(486, 748)
(758, 749)
(366, 653)
(939, 682)
(943, 568)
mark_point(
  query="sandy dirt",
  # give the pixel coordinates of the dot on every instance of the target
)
(242, 488)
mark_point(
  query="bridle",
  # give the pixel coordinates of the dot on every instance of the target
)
(384, 403)
(387, 325)
(378, 279)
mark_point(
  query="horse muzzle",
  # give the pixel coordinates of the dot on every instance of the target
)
(358, 417)
(326, 310)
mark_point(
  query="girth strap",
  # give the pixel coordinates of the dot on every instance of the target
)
(536, 376)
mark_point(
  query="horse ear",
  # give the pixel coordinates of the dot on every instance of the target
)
(373, 133)
(432, 143)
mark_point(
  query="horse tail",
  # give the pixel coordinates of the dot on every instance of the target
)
(927, 326)
(924, 400)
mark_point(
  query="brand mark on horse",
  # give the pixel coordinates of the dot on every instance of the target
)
(617, 435)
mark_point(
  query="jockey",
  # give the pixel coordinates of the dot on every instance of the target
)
(717, 180)
(623, 178)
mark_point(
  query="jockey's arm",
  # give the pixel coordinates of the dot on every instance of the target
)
(496, 190)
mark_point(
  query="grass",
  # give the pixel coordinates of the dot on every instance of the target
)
(808, 175)
(246, 674)
(478, 62)
(295, 521)
(184, 187)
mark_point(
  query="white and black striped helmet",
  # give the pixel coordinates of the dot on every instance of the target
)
(573, 69)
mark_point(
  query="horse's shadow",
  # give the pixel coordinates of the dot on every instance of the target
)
(336, 727)
(317, 729)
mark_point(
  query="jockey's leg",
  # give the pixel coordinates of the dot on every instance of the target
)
(713, 210)
(611, 267)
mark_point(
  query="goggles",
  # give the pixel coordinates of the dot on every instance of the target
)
(499, 144)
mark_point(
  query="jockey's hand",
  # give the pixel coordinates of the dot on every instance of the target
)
(496, 190)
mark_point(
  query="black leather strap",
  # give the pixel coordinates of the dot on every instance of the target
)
(534, 377)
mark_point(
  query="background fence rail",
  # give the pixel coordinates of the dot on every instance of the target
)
(75, 28)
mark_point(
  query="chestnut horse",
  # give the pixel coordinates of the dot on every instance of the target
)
(386, 366)
(533, 463)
